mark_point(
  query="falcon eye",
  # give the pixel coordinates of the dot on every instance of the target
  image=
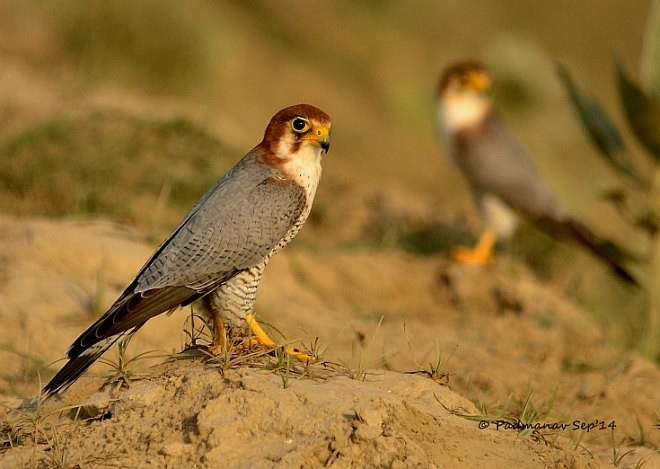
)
(300, 125)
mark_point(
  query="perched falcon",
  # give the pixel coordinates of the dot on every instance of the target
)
(220, 249)
(501, 176)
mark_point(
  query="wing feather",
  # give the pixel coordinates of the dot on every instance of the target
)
(76, 366)
(494, 162)
(227, 234)
(237, 224)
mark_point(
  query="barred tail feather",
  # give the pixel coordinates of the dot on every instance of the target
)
(77, 365)
(124, 317)
(606, 250)
(612, 255)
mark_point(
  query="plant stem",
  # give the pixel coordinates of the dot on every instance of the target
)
(652, 346)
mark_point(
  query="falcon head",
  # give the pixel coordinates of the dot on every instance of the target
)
(464, 95)
(295, 140)
(296, 128)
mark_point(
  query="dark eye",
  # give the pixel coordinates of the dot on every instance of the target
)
(300, 125)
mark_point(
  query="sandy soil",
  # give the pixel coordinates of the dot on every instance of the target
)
(424, 363)
(486, 344)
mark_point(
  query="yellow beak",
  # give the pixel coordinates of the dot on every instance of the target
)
(480, 81)
(320, 135)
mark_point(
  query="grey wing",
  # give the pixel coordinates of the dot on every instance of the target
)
(225, 236)
(494, 162)
(220, 237)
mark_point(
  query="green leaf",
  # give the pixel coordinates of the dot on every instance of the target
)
(642, 111)
(600, 128)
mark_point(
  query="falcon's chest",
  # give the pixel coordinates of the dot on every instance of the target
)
(457, 115)
(304, 168)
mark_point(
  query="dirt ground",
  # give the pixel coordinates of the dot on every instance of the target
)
(106, 137)
(490, 347)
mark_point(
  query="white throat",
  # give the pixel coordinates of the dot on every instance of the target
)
(304, 167)
(457, 113)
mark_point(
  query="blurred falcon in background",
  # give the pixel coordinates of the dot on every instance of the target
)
(499, 172)
(219, 251)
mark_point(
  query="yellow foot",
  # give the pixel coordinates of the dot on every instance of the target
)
(219, 344)
(261, 338)
(481, 254)
(470, 256)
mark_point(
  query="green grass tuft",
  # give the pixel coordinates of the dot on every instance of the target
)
(109, 164)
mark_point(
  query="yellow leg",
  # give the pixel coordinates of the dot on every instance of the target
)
(481, 254)
(262, 338)
(219, 335)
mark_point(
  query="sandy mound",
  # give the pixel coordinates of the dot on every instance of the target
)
(497, 336)
(187, 414)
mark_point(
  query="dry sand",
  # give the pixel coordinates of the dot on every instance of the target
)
(496, 335)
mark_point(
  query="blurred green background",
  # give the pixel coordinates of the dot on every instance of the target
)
(130, 110)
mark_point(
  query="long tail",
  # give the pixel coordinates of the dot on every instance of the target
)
(77, 365)
(608, 252)
(126, 316)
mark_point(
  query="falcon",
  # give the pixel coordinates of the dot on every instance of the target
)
(220, 250)
(500, 174)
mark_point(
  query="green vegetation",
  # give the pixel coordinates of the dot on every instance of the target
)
(123, 368)
(152, 45)
(109, 164)
(637, 195)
